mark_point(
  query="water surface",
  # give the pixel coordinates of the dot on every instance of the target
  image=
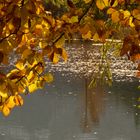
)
(68, 110)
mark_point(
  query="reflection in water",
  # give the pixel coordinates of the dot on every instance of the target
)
(55, 113)
(94, 105)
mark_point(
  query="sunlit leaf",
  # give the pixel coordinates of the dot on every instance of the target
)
(10, 102)
(20, 64)
(115, 16)
(131, 22)
(60, 42)
(96, 37)
(32, 87)
(48, 77)
(87, 1)
(18, 100)
(56, 58)
(3, 94)
(114, 3)
(26, 53)
(88, 35)
(100, 4)
(5, 110)
(73, 19)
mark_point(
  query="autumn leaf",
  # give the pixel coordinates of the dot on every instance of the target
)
(96, 37)
(87, 1)
(115, 16)
(48, 77)
(100, 4)
(88, 35)
(5, 110)
(32, 87)
(10, 102)
(3, 94)
(60, 42)
(73, 19)
(18, 100)
(56, 58)
(20, 64)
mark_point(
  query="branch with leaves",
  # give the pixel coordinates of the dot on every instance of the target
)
(30, 32)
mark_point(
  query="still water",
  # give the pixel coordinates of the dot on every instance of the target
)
(68, 110)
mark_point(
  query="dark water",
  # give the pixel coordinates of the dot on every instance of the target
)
(68, 110)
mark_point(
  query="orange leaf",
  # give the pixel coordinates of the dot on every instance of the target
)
(18, 100)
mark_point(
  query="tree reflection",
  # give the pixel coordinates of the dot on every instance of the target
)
(94, 106)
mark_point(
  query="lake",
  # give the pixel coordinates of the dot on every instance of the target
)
(68, 110)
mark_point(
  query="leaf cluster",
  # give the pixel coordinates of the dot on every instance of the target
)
(30, 31)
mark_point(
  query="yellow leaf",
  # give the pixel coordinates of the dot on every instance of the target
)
(56, 58)
(106, 2)
(136, 14)
(64, 55)
(87, 35)
(26, 53)
(5, 110)
(96, 37)
(60, 42)
(20, 65)
(115, 3)
(31, 77)
(100, 4)
(46, 24)
(10, 26)
(10, 102)
(32, 88)
(131, 22)
(73, 19)
(48, 77)
(126, 14)
(110, 10)
(3, 94)
(18, 100)
(21, 88)
(87, 1)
